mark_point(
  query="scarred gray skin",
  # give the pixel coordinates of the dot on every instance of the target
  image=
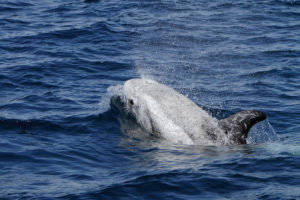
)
(162, 111)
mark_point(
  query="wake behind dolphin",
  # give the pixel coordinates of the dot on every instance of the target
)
(163, 112)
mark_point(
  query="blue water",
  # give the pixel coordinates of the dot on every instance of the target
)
(59, 61)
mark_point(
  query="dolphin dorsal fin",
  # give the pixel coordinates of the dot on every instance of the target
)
(238, 125)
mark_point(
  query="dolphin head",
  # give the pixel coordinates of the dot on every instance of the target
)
(123, 104)
(127, 102)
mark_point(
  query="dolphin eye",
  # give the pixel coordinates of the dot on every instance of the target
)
(130, 102)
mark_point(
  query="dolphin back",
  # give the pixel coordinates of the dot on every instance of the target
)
(238, 125)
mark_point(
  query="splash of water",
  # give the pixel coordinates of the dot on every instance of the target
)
(262, 132)
(104, 104)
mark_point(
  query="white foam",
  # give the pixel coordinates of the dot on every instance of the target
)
(105, 99)
(279, 148)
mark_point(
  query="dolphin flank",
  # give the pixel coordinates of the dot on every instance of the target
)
(162, 111)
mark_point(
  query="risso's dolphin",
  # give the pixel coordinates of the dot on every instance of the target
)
(162, 111)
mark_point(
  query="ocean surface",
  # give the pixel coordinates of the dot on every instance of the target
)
(61, 61)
